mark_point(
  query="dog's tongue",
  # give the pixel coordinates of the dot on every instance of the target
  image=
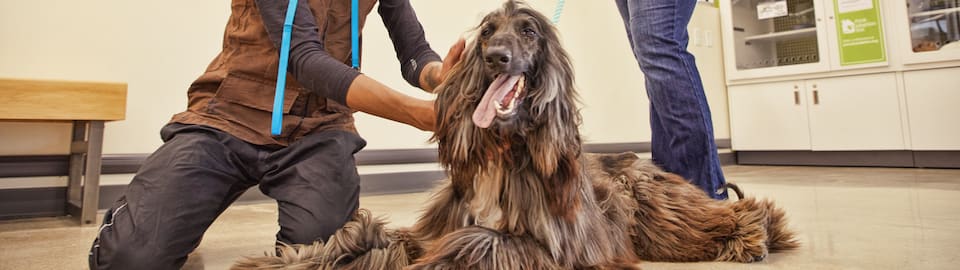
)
(486, 111)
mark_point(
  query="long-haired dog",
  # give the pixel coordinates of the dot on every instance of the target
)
(521, 193)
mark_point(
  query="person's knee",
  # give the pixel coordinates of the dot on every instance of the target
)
(308, 232)
(127, 256)
(118, 247)
(111, 252)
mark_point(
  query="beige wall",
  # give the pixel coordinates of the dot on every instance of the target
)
(158, 48)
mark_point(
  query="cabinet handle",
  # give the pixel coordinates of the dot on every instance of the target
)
(796, 97)
(816, 97)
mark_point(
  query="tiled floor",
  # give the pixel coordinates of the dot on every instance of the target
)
(848, 218)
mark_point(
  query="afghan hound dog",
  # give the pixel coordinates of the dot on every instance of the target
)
(521, 193)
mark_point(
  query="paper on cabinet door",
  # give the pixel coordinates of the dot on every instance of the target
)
(845, 6)
(771, 9)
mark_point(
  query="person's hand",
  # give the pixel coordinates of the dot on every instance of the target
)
(435, 72)
(453, 57)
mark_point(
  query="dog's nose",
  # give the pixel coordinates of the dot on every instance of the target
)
(497, 57)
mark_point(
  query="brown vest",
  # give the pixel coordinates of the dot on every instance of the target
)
(236, 92)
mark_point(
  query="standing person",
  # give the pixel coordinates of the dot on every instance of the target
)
(221, 145)
(679, 115)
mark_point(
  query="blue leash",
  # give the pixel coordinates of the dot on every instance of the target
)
(558, 11)
(276, 123)
(355, 33)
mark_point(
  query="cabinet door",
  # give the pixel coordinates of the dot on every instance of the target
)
(772, 38)
(927, 29)
(855, 113)
(769, 116)
(932, 97)
(864, 42)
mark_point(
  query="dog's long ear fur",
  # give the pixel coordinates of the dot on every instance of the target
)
(550, 135)
(459, 138)
(556, 119)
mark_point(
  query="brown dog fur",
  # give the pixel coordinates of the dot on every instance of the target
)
(522, 195)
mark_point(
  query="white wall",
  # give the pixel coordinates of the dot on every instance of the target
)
(158, 48)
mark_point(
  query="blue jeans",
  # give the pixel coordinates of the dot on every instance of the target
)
(679, 115)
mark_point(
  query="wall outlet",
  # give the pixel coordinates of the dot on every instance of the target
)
(697, 36)
(708, 38)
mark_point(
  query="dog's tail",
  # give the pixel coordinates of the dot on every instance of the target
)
(774, 221)
(362, 243)
(779, 237)
(761, 229)
(735, 188)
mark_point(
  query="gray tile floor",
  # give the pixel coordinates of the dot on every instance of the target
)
(847, 218)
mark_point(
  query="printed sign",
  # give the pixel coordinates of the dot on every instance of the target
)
(771, 9)
(859, 31)
(844, 6)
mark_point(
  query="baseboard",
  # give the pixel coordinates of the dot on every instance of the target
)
(937, 159)
(906, 158)
(727, 159)
(57, 165)
(50, 201)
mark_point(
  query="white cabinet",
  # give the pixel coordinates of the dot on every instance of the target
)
(933, 106)
(797, 79)
(855, 113)
(758, 45)
(768, 38)
(930, 30)
(830, 114)
(769, 116)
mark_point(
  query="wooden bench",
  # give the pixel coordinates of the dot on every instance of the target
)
(87, 105)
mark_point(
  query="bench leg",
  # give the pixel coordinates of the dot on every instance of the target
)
(83, 185)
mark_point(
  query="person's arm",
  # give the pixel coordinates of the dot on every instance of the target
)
(319, 72)
(369, 96)
(419, 64)
(310, 64)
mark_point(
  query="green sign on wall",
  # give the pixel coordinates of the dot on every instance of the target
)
(859, 31)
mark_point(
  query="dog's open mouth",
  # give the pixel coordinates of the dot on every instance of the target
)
(500, 99)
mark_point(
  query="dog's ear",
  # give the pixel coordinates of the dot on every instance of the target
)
(553, 106)
(457, 97)
(557, 120)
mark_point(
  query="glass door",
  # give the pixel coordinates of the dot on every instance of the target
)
(934, 27)
(777, 37)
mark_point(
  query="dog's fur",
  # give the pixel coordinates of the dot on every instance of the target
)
(522, 195)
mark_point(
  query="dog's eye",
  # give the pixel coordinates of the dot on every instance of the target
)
(529, 32)
(486, 32)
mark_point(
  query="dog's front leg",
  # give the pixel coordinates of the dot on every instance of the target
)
(478, 247)
(445, 213)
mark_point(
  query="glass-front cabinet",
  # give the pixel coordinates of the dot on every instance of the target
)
(765, 38)
(773, 37)
(934, 30)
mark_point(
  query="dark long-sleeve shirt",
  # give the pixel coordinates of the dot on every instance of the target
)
(319, 72)
(236, 92)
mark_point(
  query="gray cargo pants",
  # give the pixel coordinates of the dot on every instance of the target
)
(199, 171)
